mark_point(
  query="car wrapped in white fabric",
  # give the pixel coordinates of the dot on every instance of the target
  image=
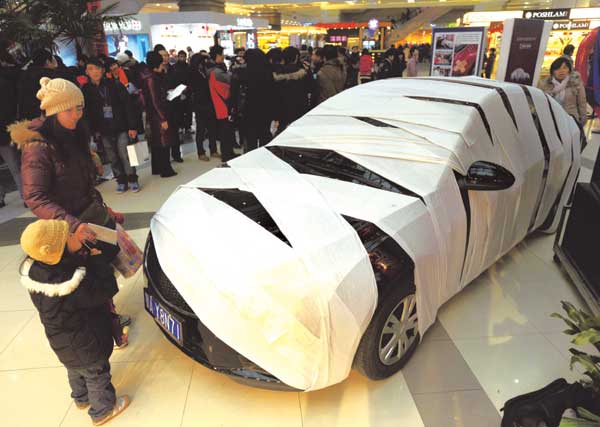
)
(335, 245)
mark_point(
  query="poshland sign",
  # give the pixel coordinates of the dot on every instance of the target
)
(547, 14)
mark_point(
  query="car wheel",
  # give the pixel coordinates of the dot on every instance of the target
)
(392, 336)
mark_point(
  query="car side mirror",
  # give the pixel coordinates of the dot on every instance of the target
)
(486, 176)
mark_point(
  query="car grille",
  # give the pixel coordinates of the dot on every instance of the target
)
(161, 282)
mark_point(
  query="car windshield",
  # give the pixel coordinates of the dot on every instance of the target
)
(333, 165)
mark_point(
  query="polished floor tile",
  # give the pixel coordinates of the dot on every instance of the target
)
(34, 397)
(359, 402)
(217, 401)
(509, 366)
(13, 323)
(437, 366)
(470, 408)
(14, 296)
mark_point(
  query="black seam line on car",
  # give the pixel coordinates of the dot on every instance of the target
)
(375, 122)
(545, 148)
(484, 119)
(554, 120)
(499, 90)
(248, 205)
(554, 208)
(464, 194)
(322, 162)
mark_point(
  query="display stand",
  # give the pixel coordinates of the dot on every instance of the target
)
(576, 242)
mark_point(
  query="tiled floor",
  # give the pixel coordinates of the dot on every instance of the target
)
(492, 341)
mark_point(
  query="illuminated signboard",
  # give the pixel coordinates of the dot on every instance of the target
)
(129, 25)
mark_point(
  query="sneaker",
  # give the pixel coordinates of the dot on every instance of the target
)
(120, 405)
(178, 160)
(216, 154)
(135, 187)
(168, 174)
(203, 157)
(121, 188)
(122, 341)
(82, 405)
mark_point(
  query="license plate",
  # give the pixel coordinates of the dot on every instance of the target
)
(163, 317)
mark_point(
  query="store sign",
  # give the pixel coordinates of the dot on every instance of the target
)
(485, 17)
(129, 25)
(547, 14)
(245, 22)
(570, 25)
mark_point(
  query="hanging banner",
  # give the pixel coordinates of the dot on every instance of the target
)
(522, 50)
(457, 51)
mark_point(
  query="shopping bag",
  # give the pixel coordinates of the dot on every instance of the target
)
(130, 257)
(138, 153)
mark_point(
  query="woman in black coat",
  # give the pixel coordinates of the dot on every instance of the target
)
(203, 107)
(253, 94)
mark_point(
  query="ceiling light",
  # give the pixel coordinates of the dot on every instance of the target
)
(411, 1)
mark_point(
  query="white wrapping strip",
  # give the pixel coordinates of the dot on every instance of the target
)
(300, 312)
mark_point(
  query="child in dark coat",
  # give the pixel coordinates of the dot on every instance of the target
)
(70, 292)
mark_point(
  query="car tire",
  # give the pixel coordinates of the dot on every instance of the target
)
(368, 359)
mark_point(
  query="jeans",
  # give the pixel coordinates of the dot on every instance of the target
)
(226, 136)
(116, 151)
(92, 384)
(13, 160)
(205, 123)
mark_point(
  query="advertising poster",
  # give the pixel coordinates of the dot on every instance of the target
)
(522, 51)
(138, 44)
(457, 51)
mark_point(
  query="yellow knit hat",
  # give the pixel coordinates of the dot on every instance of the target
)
(45, 240)
(58, 95)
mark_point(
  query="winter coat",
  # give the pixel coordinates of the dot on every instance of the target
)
(57, 170)
(72, 301)
(386, 70)
(158, 110)
(331, 78)
(293, 87)
(412, 68)
(219, 83)
(115, 95)
(253, 95)
(575, 102)
(366, 65)
(8, 106)
(201, 99)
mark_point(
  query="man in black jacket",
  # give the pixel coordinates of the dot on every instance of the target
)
(43, 64)
(8, 114)
(293, 82)
(111, 117)
(71, 289)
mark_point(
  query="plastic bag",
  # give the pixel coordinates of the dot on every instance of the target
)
(130, 258)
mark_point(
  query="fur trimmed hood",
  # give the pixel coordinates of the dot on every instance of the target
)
(25, 132)
(296, 75)
(50, 289)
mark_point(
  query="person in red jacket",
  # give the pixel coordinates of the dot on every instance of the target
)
(219, 83)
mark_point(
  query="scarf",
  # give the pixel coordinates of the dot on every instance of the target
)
(559, 90)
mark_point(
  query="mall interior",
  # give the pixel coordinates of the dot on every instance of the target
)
(238, 350)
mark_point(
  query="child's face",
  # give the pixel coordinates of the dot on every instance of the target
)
(73, 245)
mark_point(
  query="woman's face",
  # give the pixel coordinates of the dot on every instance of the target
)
(69, 118)
(561, 73)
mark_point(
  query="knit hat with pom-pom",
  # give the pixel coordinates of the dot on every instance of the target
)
(58, 95)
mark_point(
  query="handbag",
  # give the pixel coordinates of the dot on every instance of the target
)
(138, 153)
